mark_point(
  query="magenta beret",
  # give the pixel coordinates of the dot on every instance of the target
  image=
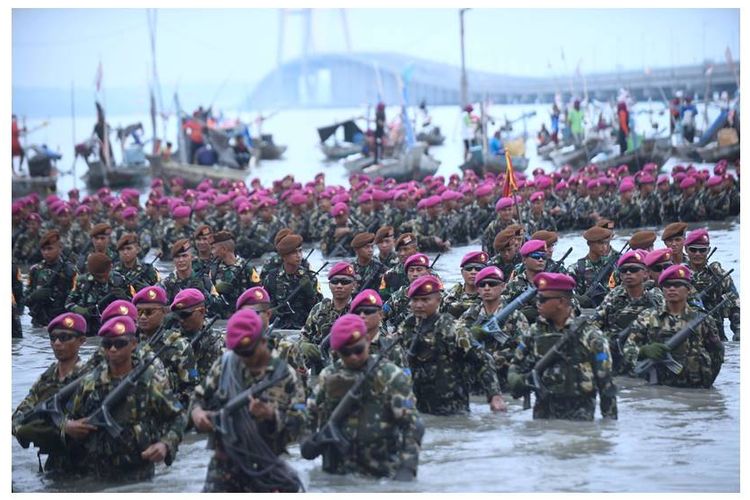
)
(476, 256)
(631, 257)
(489, 272)
(676, 272)
(150, 295)
(364, 198)
(339, 208)
(688, 182)
(432, 201)
(130, 213)
(658, 256)
(418, 259)
(626, 186)
(117, 326)
(244, 328)
(341, 269)
(504, 202)
(532, 246)
(714, 180)
(697, 238)
(537, 195)
(543, 182)
(348, 329)
(181, 211)
(483, 190)
(561, 185)
(119, 307)
(187, 298)
(368, 297)
(554, 281)
(424, 285)
(253, 296)
(68, 321)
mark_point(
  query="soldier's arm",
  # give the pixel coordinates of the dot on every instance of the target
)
(187, 367)
(291, 417)
(638, 337)
(600, 317)
(169, 414)
(482, 364)
(203, 394)
(403, 407)
(601, 362)
(29, 402)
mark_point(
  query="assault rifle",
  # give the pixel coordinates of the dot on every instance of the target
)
(534, 377)
(299, 287)
(557, 264)
(137, 276)
(204, 331)
(493, 326)
(704, 293)
(368, 282)
(330, 434)
(596, 287)
(648, 366)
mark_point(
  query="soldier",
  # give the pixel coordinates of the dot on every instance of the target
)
(266, 226)
(397, 307)
(26, 247)
(178, 229)
(79, 231)
(231, 275)
(429, 226)
(369, 306)
(369, 269)
(221, 219)
(504, 209)
(244, 229)
(690, 207)
(385, 427)
(490, 285)
(395, 277)
(151, 417)
(184, 277)
(204, 260)
(95, 290)
(178, 358)
(506, 252)
(292, 278)
(656, 261)
(717, 199)
(627, 212)
(384, 239)
(137, 274)
(537, 218)
(257, 299)
(130, 224)
(190, 307)
(704, 275)
(18, 301)
(701, 355)
(586, 268)
(673, 237)
(481, 211)
(625, 303)
(463, 295)
(279, 414)
(100, 241)
(583, 368)
(366, 217)
(534, 255)
(648, 199)
(151, 222)
(643, 240)
(442, 356)
(298, 220)
(66, 335)
(337, 238)
(50, 281)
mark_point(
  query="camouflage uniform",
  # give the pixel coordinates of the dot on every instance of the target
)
(203, 267)
(650, 209)
(207, 350)
(27, 250)
(152, 228)
(584, 271)
(140, 276)
(172, 233)
(230, 281)
(389, 261)
(618, 311)
(46, 386)
(426, 229)
(443, 359)
(691, 209)
(457, 301)
(178, 359)
(396, 355)
(111, 252)
(701, 355)
(148, 414)
(702, 279)
(372, 274)
(517, 284)
(394, 278)
(456, 228)
(89, 297)
(488, 235)
(384, 427)
(626, 214)
(173, 285)
(536, 223)
(79, 238)
(58, 278)
(574, 380)
(480, 217)
(279, 285)
(396, 308)
(717, 205)
(506, 267)
(290, 416)
(262, 236)
(502, 353)
(321, 319)
(341, 247)
(18, 301)
(221, 222)
(319, 222)
(274, 263)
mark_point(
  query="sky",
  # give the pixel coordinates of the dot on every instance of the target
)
(53, 47)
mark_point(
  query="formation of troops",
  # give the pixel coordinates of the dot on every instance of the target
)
(349, 377)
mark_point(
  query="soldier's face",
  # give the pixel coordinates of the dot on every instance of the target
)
(490, 290)
(386, 246)
(508, 253)
(101, 241)
(246, 217)
(406, 251)
(217, 251)
(203, 242)
(506, 213)
(366, 252)
(469, 272)
(51, 252)
(599, 248)
(549, 304)
(538, 206)
(117, 357)
(150, 317)
(632, 275)
(66, 350)
(697, 255)
(675, 243)
(183, 261)
(355, 356)
(535, 265)
(426, 305)
(675, 291)
(341, 287)
(415, 272)
(293, 259)
(128, 253)
(194, 322)
(372, 316)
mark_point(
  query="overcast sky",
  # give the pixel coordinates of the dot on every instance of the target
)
(52, 47)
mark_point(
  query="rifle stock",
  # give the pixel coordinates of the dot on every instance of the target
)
(596, 283)
(556, 265)
(493, 325)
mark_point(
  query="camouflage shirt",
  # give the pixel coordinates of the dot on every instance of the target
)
(89, 298)
(140, 276)
(179, 362)
(280, 285)
(207, 350)
(457, 301)
(705, 277)
(371, 275)
(59, 278)
(321, 319)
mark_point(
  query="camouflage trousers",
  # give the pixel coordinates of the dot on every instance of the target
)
(223, 476)
(572, 408)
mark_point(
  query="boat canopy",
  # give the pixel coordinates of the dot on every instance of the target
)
(350, 131)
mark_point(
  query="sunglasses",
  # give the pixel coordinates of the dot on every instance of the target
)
(697, 249)
(147, 312)
(62, 337)
(341, 281)
(358, 349)
(473, 267)
(489, 283)
(247, 352)
(660, 267)
(630, 269)
(541, 299)
(537, 255)
(118, 344)
(185, 314)
(673, 284)
(367, 311)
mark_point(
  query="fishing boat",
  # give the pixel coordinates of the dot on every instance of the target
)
(635, 159)
(432, 136)
(42, 177)
(415, 164)
(23, 185)
(713, 152)
(191, 173)
(101, 175)
(578, 156)
(334, 149)
(268, 149)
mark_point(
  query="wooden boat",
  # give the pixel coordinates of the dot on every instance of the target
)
(42, 178)
(99, 175)
(415, 164)
(713, 152)
(635, 159)
(687, 152)
(433, 137)
(193, 174)
(268, 149)
(495, 164)
(335, 149)
(43, 185)
(339, 150)
(577, 156)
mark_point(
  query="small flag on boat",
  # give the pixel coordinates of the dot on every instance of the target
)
(510, 185)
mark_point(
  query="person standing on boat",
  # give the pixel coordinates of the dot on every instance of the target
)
(688, 112)
(99, 131)
(554, 123)
(468, 129)
(15, 144)
(623, 119)
(379, 130)
(575, 122)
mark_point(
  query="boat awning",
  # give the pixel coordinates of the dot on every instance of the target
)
(350, 130)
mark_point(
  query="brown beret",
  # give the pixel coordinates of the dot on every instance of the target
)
(127, 239)
(674, 229)
(383, 233)
(597, 233)
(405, 239)
(100, 228)
(502, 240)
(202, 230)
(284, 231)
(549, 237)
(516, 229)
(642, 239)
(179, 246)
(223, 236)
(362, 239)
(288, 244)
(606, 224)
(51, 236)
(98, 262)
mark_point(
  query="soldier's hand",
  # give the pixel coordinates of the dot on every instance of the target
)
(202, 420)
(78, 429)
(262, 410)
(223, 287)
(654, 350)
(40, 295)
(497, 403)
(156, 453)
